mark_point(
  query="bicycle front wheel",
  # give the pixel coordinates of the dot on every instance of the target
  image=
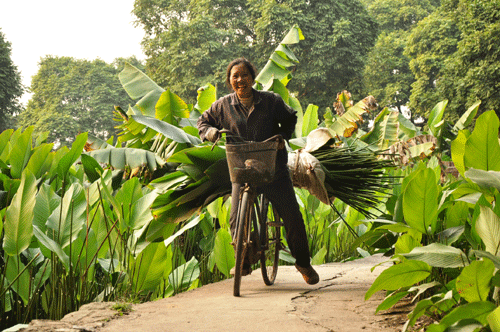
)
(242, 238)
(271, 233)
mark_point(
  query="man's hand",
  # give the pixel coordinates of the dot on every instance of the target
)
(213, 134)
(281, 144)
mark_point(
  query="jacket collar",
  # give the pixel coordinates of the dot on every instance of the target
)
(257, 97)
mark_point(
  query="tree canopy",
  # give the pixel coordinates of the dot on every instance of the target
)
(387, 74)
(456, 56)
(11, 88)
(72, 96)
(190, 42)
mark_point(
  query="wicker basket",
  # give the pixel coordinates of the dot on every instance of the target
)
(252, 162)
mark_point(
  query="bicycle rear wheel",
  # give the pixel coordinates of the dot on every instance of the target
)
(242, 238)
(271, 238)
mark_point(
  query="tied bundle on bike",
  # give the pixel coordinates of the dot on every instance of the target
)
(306, 172)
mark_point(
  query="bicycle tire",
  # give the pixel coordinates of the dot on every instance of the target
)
(269, 258)
(242, 237)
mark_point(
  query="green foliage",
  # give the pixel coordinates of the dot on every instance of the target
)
(18, 227)
(71, 96)
(387, 75)
(454, 56)
(197, 40)
(11, 88)
(460, 242)
(430, 43)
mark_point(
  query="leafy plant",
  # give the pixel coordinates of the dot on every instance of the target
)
(458, 261)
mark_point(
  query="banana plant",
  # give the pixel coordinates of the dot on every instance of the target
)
(432, 251)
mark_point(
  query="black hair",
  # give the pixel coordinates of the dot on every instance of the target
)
(251, 68)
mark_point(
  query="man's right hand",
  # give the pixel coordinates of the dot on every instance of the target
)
(213, 134)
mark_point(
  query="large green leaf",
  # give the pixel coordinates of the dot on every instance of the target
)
(69, 217)
(202, 157)
(278, 87)
(281, 59)
(400, 275)
(458, 151)
(293, 36)
(391, 300)
(295, 104)
(169, 181)
(41, 160)
(473, 283)
(95, 143)
(271, 71)
(121, 157)
(406, 243)
(139, 85)
(149, 267)
(18, 224)
(439, 255)
(389, 130)
(167, 129)
(91, 168)
(141, 214)
(488, 228)
(435, 118)
(169, 106)
(20, 152)
(310, 120)
(184, 276)
(206, 96)
(224, 252)
(407, 129)
(467, 117)
(72, 156)
(49, 246)
(195, 221)
(490, 256)
(475, 310)
(494, 320)
(46, 202)
(18, 278)
(482, 147)
(485, 179)
(4, 144)
(347, 123)
(420, 201)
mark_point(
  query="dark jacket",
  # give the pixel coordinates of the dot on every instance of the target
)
(270, 116)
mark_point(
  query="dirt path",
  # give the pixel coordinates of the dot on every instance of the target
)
(335, 304)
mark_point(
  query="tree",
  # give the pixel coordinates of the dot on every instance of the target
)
(11, 88)
(189, 43)
(456, 56)
(338, 37)
(432, 41)
(387, 74)
(72, 96)
(472, 73)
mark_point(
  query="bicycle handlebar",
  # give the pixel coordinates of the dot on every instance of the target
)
(227, 131)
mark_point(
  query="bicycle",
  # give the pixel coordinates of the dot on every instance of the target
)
(253, 164)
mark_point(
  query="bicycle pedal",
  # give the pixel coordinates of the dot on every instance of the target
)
(275, 224)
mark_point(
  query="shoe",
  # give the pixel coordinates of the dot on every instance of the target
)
(247, 270)
(309, 274)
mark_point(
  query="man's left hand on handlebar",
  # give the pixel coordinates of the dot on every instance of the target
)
(281, 144)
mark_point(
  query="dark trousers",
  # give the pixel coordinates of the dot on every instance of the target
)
(281, 194)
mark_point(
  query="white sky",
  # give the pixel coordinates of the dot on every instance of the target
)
(81, 29)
